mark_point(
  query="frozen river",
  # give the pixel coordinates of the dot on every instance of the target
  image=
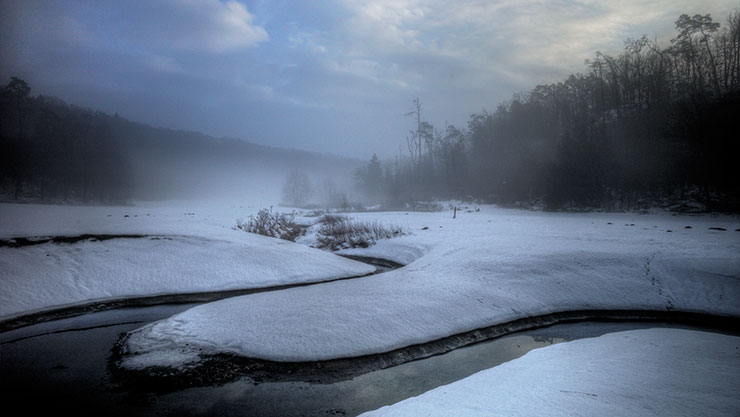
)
(64, 366)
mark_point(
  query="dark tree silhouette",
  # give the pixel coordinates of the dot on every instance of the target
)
(652, 126)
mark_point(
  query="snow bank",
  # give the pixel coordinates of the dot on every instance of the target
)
(170, 217)
(211, 257)
(640, 372)
(481, 269)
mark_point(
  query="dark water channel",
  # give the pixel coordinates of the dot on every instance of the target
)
(62, 366)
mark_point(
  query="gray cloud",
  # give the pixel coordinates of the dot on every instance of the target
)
(319, 75)
(210, 26)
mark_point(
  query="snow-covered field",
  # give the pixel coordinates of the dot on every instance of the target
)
(485, 267)
(482, 268)
(655, 372)
(188, 251)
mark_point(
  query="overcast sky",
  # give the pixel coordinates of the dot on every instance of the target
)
(334, 75)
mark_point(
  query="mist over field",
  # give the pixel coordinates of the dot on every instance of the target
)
(565, 106)
(369, 207)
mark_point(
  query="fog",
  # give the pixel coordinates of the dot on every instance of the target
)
(338, 187)
(486, 101)
(56, 152)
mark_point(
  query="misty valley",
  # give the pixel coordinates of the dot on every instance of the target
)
(292, 209)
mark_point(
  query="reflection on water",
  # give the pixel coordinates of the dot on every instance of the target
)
(63, 365)
(365, 392)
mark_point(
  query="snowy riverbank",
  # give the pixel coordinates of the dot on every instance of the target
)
(480, 269)
(655, 372)
(177, 253)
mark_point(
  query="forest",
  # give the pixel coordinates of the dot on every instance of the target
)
(51, 151)
(650, 126)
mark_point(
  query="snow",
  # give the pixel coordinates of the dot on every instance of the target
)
(183, 254)
(655, 372)
(481, 269)
(164, 217)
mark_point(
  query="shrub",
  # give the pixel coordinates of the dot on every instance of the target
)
(425, 206)
(314, 213)
(340, 232)
(267, 223)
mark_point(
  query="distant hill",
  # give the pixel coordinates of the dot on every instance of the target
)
(53, 151)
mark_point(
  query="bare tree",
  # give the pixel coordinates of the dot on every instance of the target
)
(415, 140)
(18, 90)
(297, 189)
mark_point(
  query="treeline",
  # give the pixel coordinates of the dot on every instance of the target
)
(55, 152)
(653, 125)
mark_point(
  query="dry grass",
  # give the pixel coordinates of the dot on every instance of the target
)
(340, 232)
(267, 223)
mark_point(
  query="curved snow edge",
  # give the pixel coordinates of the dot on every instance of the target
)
(61, 312)
(213, 369)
